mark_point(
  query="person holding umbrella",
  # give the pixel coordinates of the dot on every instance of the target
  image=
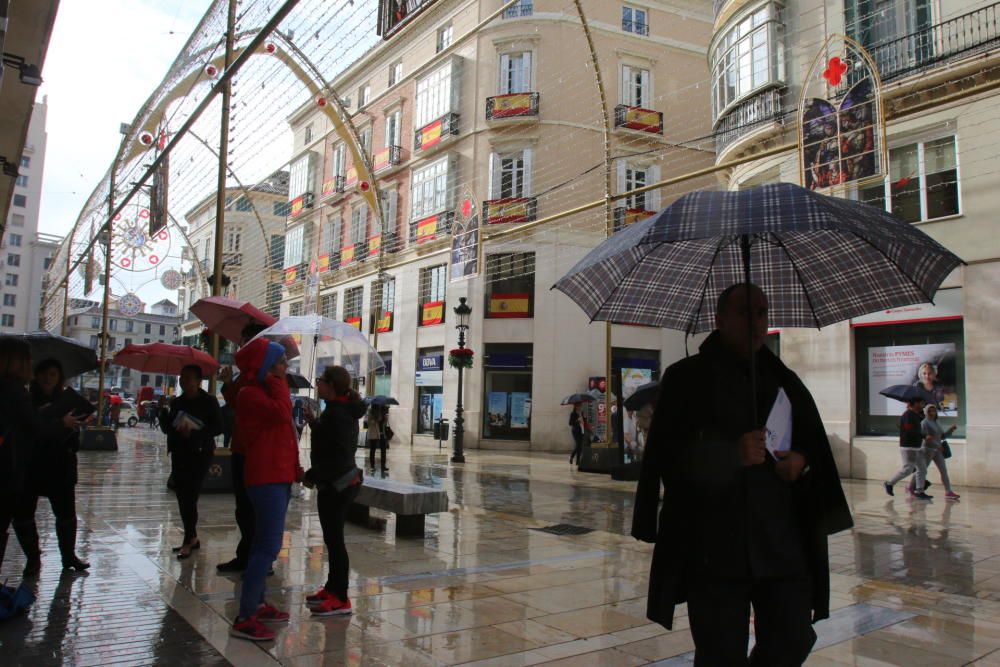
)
(741, 526)
(378, 415)
(578, 427)
(52, 471)
(191, 424)
(334, 437)
(911, 442)
(264, 423)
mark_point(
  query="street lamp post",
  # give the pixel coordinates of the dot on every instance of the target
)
(462, 312)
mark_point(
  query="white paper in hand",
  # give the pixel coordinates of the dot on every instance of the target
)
(779, 425)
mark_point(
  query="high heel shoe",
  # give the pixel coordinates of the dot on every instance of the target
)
(196, 545)
(75, 564)
(182, 554)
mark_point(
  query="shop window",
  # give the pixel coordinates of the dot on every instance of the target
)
(383, 376)
(433, 287)
(928, 355)
(507, 391)
(510, 280)
(429, 381)
(922, 183)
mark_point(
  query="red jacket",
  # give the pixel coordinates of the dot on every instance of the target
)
(264, 424)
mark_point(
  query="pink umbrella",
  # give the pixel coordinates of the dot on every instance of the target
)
(164, 358)
(227, 317)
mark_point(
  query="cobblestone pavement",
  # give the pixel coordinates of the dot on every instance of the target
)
(913, 584)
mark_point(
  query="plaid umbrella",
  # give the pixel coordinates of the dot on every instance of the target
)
(819, 259)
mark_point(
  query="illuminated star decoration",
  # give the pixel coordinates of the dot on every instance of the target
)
(835, 71)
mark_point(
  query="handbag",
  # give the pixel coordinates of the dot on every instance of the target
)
(389, 433)
(945, 449)
(347, 480)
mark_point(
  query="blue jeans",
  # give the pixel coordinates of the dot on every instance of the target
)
(270, 503)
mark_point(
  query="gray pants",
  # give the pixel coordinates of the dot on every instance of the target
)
(937, 456)
(913, 462)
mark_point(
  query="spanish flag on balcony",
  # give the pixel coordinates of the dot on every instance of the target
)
(354, 322)
(510, 305)
(291, 273)
(426, 229)
(346, 255)
(374, 245)
(507, 106)
(384, 323)
(352, 177)
(433, 313)
(643, 120)
(430, 135)
(382, 159)
(323, 262)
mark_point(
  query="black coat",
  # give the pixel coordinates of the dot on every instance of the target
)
(21, 428)
(683, 415)
(334, 440)
(53, 466)
(203, 406)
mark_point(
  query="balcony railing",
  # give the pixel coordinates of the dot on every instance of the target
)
(513, 105)
(747, 116)
(431, 227)
(639, 119)
(626, 216)
(434, 133)
(523, 8)
(962, 36)
(232, 259)
(636, 27)
(334, 185)
(387, 157)
(510, 210)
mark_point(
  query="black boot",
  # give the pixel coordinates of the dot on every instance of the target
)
(27, 535)
(66, 534)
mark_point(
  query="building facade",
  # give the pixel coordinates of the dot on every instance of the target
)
(492, 118)
(938, 66)
(160, 325)
(24, 252)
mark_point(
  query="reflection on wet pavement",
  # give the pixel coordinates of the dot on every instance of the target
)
(912, 584)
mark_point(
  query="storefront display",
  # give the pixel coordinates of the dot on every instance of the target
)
(429, 381)
(507, 392)
(383, 376)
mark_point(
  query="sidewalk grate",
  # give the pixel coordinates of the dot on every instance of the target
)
(564, 529)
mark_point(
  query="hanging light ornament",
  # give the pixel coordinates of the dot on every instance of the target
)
(146, 138)
(211, 71)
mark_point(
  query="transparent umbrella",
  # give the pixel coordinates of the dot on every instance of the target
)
(315, 342)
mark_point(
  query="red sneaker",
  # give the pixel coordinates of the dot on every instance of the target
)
(322, 595)
(267, 613)
(331, 607)
(252, 629)
(951, 495)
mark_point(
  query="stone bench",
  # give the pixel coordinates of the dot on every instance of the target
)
(409, 502)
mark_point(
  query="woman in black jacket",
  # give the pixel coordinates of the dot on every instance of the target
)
(52, 470)
(20, 428)
(191, 443)
(334, 442)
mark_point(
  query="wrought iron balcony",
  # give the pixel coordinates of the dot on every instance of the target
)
(234, 259)
(523, 8)
(960, 37)
(747, 116)
(431, 227)
(510, 210)
(638, 119)
(513, 105)
(636, 27)
(387, 157)
(435, 132)
(334, 185)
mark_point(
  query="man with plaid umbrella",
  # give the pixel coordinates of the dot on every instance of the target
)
(740, 526)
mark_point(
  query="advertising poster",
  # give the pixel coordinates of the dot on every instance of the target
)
(929, 369)
(426, 411)
(437, 406)
(632, 379)
(465, 239)
(597, 414)
(497, 407)
(520, 409)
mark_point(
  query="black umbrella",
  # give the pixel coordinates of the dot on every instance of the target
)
(380, 400)
(904, 392)
(819, 260)
(643, 395)
(577, 398)
(75, 357)
(296, 381)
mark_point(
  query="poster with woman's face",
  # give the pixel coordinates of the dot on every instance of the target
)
(927, 369)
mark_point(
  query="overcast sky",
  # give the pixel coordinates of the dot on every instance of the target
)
(105, 58)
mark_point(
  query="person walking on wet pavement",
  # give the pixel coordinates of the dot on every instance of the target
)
(264, 423)
(334, 440)
(739, 528)
(911, 443)
(191, 424)
(21, 429)
(378, 416)
(244, 508)
(578, 427)
(934, 449)
(53, 471)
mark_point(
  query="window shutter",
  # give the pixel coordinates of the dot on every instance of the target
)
(390, 212)
(494, 190)
(526, 188)
(626, 92)
(647, 94)
(525, 72)
(504, 86)
(653, 196)
(620, 168)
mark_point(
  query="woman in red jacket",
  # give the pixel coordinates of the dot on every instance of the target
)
(272, 464)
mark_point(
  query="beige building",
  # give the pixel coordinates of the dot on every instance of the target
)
(938, 62)
(253, 246)
(510, 116)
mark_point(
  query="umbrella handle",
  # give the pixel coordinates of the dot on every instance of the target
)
(745, 251)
